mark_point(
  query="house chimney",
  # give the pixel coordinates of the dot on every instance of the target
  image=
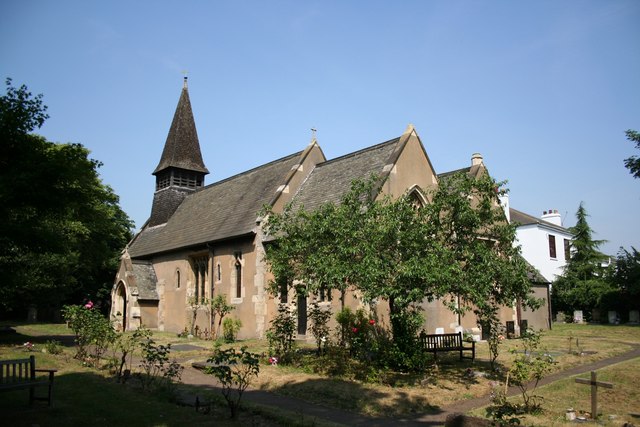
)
(552, 216)
(476, 159)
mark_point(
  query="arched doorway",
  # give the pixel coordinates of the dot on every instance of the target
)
(120, 304)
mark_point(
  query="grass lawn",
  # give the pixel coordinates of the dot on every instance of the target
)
(86, 396)
(614, 405)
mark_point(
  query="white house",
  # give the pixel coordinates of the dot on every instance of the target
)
(544, 241)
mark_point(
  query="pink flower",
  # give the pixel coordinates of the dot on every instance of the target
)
(372, 322)
(273, 360)
(89, 305)
(354, 330)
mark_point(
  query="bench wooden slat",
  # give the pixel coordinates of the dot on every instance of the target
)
(435, 343)
(21, 373)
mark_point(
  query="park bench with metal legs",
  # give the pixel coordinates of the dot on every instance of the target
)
(439, 343)
(21, 373)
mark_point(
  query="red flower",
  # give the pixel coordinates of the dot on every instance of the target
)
(354, 330)
(372, 322)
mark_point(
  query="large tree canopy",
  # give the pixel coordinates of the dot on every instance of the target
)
(633, 163)
(583, 281)
(459, 244)
(61, 228)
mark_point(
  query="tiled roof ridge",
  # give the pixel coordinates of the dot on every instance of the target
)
(250, 171)
(359, 152)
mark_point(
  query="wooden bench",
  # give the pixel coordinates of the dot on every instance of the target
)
(21, 373)
(438, 343)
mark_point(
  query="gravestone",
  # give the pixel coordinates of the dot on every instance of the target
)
(634, 316)
(577, 317)
(560, 317)
(613, 317)
(595, 316)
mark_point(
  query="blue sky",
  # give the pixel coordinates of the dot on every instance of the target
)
(543, 90)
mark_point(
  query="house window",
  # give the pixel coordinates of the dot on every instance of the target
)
(238, 265)
(567, 249)
(219, 272)
(177, 279)
(552, 246)
(200, 272)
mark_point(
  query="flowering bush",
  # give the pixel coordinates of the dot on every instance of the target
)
(273, 361)
(28, 346)
(91, 328)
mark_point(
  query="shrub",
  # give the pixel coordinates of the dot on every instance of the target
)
(124, 349)
(53, 347)
(158, 371)
(230, 328)
(320, 325)
(91, 328)
(528, 368)
(280, 334)
(234, 370)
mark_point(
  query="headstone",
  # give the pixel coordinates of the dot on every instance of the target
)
(32, 314)
(577, 316)
(459, 329)
(595, 316)
(560, 317)
(613, 317)
(634, 316)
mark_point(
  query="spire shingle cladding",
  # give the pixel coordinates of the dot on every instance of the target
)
(182, 148)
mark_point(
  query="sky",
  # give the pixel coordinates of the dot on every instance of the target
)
(544, 90)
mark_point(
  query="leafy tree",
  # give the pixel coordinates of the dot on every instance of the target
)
(459, 244)
(633, 163)
(61, 228)
(486, 269)
(583, 281)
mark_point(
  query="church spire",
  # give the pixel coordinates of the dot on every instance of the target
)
(181, 169)
(182, 149)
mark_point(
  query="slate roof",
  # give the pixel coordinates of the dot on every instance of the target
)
(145, 280)
(219, 211)
(331, 180)
(182, 149)
(526, 219)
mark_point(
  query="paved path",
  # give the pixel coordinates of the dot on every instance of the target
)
(311, 411)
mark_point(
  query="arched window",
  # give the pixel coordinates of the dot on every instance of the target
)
(238, 265)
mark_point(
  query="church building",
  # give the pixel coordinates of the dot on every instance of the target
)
(201, 240)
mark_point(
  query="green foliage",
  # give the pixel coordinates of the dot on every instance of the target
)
(496, 336)
(501, 411)
(529, 366)
(234, 370)
(281, 333)
(633, 163)
(53, 347)
(320, 325)
(218, 308)
(124, 348)
(159, 373)
(61, 228)
(94, 332)
(583, 282)
(483, 266)
(230, 328)
(384, 253)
